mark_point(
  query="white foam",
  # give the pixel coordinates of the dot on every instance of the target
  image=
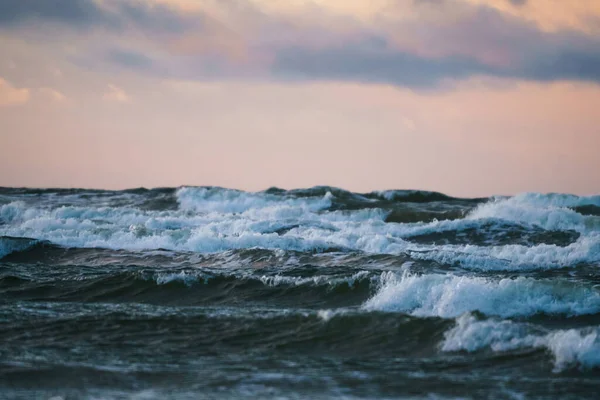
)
(470, 334)
(448, 296)
(132, 229)
(13, 211)
(326, 315)
(573, 347)
(184, 277)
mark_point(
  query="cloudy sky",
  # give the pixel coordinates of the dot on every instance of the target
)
(468, 97)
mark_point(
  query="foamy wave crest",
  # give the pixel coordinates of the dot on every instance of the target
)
(277, 280)
(189, 277)
(557, 199)
(573, 347)
(14, 211)
(133, 229)
(449, 296)
(549, 211)
(514, 257)
(183, 277)
(201, 199)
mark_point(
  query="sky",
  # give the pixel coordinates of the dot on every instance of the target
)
(466, 97)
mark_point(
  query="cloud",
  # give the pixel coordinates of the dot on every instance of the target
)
(53, 94)
(359, 64)
(566, 64)
(116, 94)
(408, 124)
(11, 96)
(425, 52)
(119, 15)
(437, 41)
(77, 13)
(129, 59)
(158, 17)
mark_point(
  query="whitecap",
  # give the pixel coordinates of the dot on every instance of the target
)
(569, 348)
(448, 296)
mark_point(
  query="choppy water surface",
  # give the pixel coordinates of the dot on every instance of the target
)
(312, 293)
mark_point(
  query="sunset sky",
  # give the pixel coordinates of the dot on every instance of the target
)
(467, 97)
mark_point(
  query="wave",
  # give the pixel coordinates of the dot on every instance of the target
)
(9, 245)
(489, 233)
(203, 199)
(398, 196)
(524, 232)
(585, 250)
(189, 278)
(191, 286)
(572, 347)
(549, 211)
(449, 296)
(207, 330)
(159, 199)
(223, 200)
(588, 210)
(412, 196)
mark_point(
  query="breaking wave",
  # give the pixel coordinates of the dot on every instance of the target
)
(449, 296)
(569, 348)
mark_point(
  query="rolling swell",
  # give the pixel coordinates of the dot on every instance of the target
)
(187, 287)
(210, 331)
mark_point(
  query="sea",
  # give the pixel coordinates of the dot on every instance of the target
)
(319, 293)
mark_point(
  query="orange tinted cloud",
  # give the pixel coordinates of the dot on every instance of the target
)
(552, 15)
(11, 96)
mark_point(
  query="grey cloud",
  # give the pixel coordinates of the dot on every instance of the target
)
(130, 59)
(533, 54)
(405, 69)
(86, 14)
(518, 3)
(78, 13)
(526, 52)
(158, 17)
(567, 64)
(357, 63)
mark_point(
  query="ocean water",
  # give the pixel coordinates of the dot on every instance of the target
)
(205, 292)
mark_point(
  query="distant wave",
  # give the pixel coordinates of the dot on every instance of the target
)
(527, 231)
